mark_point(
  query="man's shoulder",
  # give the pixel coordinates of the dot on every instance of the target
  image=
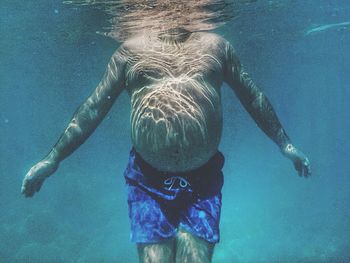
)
(214, 41)
(133, 42)
(211, 37)
(128, 47)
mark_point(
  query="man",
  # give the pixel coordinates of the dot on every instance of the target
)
(174, 176)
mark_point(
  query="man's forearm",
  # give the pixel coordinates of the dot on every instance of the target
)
(261, 110)
(92, 111)
(84, 122)
(254, 101)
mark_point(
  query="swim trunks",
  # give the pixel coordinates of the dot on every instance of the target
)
(160, 202)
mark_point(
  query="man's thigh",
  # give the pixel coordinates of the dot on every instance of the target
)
(162, 252)
(191, 249)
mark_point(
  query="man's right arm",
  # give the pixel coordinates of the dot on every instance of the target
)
(85, 120)
(90, 114)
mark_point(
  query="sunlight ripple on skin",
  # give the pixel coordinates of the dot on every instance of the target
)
(172, 76)
(169, 106)
(128, 18)
(173, 108)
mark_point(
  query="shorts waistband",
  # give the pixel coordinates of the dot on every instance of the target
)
(206, 180)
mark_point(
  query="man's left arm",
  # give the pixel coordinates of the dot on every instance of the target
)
(261, 110)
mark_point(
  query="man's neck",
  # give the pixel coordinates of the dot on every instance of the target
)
(175, 34)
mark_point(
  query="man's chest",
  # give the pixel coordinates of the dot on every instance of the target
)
(151, 67)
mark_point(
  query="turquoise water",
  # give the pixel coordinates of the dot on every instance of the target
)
(297, 52)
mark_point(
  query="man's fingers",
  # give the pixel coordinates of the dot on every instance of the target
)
(29, 187)
(308, 170)
(307, 167)
(33, 189)
(303, 167)
(303, 171)
(38, 186)
(31, 192)
(23, 189)
(25, 186)
(28, 190)
(299, 168)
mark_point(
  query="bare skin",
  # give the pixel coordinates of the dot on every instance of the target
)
(174, 81)
(185, 248)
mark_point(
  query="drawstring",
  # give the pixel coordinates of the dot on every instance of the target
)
(172, 180)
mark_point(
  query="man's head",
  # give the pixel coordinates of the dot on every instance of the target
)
(133, 17)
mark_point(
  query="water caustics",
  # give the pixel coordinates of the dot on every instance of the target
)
(175, 102)
(172, 74)
(128, 18)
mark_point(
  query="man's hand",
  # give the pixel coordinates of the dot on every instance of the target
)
(34, 179)
(301, 162)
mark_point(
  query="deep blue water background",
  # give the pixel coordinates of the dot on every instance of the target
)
(51, 60)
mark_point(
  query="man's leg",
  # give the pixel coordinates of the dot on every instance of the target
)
(191, 249)
(163, 252)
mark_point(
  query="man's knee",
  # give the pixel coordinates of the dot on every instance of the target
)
(191, 249)
(163, 252)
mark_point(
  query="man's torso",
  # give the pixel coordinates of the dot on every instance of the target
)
(174, 85)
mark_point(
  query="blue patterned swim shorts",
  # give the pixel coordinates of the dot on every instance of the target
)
(160, 203)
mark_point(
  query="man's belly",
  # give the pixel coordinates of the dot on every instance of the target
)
(176, 127)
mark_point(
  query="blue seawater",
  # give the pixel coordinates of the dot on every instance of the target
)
(298, 52)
